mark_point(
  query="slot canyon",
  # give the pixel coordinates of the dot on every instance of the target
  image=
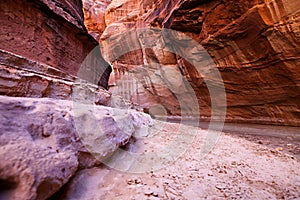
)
(144, 99)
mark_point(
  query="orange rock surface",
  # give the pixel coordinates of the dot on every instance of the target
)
(255, 45)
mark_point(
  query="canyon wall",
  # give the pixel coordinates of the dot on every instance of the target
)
(94, 12)
(47, 37)
(52, 83)
(254, 45)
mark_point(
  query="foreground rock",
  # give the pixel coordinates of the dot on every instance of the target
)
(45, 141)
(234, 169)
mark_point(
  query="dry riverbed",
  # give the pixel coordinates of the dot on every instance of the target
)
(235, 168)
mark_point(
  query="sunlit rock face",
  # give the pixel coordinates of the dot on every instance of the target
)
(254, 44)
(94, 11)
(50, 33)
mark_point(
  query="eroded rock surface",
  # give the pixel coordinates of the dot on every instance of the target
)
(50, 33)
(20, 77)
(94, 11)
(45, 141)
(47, 56)
(253, 43)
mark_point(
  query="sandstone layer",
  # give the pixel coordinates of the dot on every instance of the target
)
(254, 45)
(51, 33)
(94, 12)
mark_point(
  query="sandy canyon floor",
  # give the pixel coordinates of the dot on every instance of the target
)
(247, 167)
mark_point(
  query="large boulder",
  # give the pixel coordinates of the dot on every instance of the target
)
(43, 142)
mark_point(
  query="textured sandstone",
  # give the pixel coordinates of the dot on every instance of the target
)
(94, 11)
(51, 33)
(21, 77)
(46, 54)
(44, 142)
(253, 43)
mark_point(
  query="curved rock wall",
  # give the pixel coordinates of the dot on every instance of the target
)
(47, 32)
(94, 12)
(42, 54)
(253, 43)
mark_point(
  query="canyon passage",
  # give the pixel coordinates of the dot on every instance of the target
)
(143, 99)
